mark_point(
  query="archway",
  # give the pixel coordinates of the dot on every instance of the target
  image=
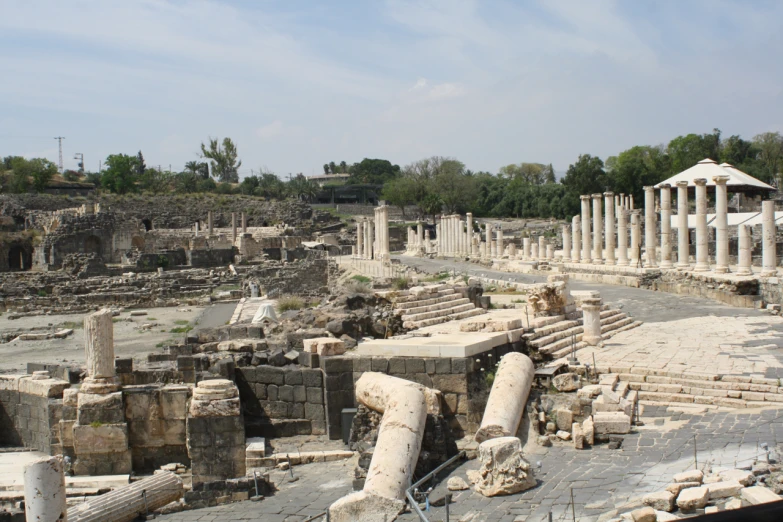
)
(92, 245)
(147, 224)
(18, 259)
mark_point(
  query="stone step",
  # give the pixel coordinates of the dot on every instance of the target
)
(439, 313)
(562, 344)
(566, 333)
(553, 328)
(615, 325)
(429, 293)
(540, 322)
(724, 402)
(444, 319)
(566, 352)
(458, 300)
(407, 305)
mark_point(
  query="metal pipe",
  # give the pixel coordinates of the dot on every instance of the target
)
(425, 478)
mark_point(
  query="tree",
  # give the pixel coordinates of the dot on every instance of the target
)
(119, 173)
(249, 185)
(302, 188)
(586, 176)
(453, 186)
(632, 170)
(770, 145)
(186, 182)
(533, 173)
(332, 167)
(326, 169)
(140, 165)
(399, 193)
(71, 175)
(197, 168)
(155, 180)
(343, 167)
(373, 171)
(43, 171)
(40, 170)
(687, 151)
(549, 174)
(270, 186)
(225, 165)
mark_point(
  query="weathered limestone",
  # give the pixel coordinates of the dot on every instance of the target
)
(550, 251)
(44, 490)
(650, 236)
(499, 242)
(660, 500)
(622, 237)
(374, 392)
(503, 471)
(598, 241)
(591, 318)
(724, 489)
(768, 233)
(721, 225)
(576, 230)
(488, 239)
(702, 260)
(607, 422)
(694, 475)
(526, 252)
(244, 223)
(683, 255)
(469, 233)
(233, 226)
(666, 226)
(759, 495)
(508, 397)
(359, 239)
(210, 229)
(566, 243)
(534, 251)
(215, 398)
(609, 225)
(744, 259)
(324, 346)
(636, 237)
(693, 498)
(99, 352)
(128, 502)
(586, 248)
(397, 449)
(541, 248)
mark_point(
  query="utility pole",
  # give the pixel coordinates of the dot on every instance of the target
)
(79, 156)
(60, 141)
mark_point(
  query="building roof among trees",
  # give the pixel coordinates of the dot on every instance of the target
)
(738, 181)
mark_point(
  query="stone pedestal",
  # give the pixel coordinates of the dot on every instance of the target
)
(508, 397)
(576, 244)
(586, 248)
(650, 235)
(666, 226)
(768, 234)
(745, 246)
(702, 259)
(44, 491)
(683, 242)
(591, 317)
(598, 241)
(503, 471)
(609, 225)
(566, 243)
(721, 225)
(622, 236)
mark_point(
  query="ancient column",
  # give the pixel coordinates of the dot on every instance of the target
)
(234, 226)
(500, 242)
(609, 225)
(769, 238)
(622, 236)
(744, 259)
(244, 223)
(666, 226)
(99, 352)
(488, 239)
(702, 260)
(370, 239)
(196, 228)
(534, 252)
(591, 321)
(650, 235)
(526, 248)
(576, 230)
(630, 202)
(566, 244)
(469, 232)
(359, 245)
(683, 234)
(721, 225)
(427, 241)
(541, 248)
(386, 249)
(598, 241)
(586, 248)
(439, 238)
(550, 252)
(209, 222)
(507, 398)
(420, 233)
(44, 490)
(636, 237)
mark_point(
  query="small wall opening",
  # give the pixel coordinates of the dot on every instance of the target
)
(18, 259)
(92, 245)
(147, 224)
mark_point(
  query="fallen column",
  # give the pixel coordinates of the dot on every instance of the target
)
(508, 397)
(591, 321)
(127, 503)
(404, 408)
(44, 490)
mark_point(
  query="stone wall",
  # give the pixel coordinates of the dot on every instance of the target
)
(305, 277)
(210, 257)
(30, 412)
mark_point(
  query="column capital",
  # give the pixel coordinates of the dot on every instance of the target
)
(576, 218)
(649, 188)
(596, 196)
(720, 180)
(608, 194)
(682, 184)
(636, 211)
(584, 197)
(700, 182)
(665, 186)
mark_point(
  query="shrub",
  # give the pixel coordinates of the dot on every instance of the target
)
(285, 304)
(400, 283)
(42, 293)
(358, 287)
(361, 278)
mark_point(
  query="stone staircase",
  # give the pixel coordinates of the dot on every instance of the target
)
(432, 304)
(668, 388)
(555, 335)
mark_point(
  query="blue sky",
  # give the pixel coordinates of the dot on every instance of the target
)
(297, 84)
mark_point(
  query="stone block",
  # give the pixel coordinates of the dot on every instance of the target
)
(174, 402)
(566, 382)
(397, 366)
(285, 393)
(415, 365)
(660, 500)
(380, 364)
(746, 478)
(611, 422)
(270, 375)
(588, 428)
(312, 378)
(693, 498)
(645, 514)
(337, 364)
(578, 435)
(724, 489)
(676, 487)
(759, 495)
(294, 377)
(315, 395)
(100, 439)
(452, 383)
(299, 393)
(694, 475)
(50, 388)
(314, 412)
(564, 419)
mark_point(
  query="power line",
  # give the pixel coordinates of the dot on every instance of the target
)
(60, 141)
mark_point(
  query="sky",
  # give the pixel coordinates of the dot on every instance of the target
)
(297, 84)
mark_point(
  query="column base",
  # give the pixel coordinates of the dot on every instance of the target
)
(682, 266)
(721, 269)
(597, 261)
(744, 271)
(592, 340)
(769, 273)
(586, 261)
(701, 268)
(622, 262)
(100, 386)
(667, 265)
(610, 262)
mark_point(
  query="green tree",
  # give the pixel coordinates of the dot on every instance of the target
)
(119, 173)
(399, 193)
(270, 186)
(249, 185)
(586, 176)
(631, 170)
(343, 167)
(770, 146)
(198, 168)
(332, 167)
(225, 165)
(326, 168)
(687, 151)
(549, 174)
(155, 180)
(186, 182)
(302, 188)
(43, 171)
(373, 171)
(533, 173)
(453, 186)
(141, 167)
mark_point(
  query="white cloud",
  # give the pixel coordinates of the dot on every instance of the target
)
(420, 84)
(270, 131)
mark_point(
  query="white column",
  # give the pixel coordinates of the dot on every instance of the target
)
(721, 225)
(576, 230)
(488, 239)
(427, 241)
(209, 223)
(609, 225)
(666, 226)
(44, 490)
(541, 247)
(507, 398)
(534, 254)
(630, 201)
(420, 234)
(244, 223)
(702, 260)
(359, 235)
(370, 239)
(768, 234)
(567, 243)
(591, 321)
(586, 249)
(234, 226)
(500, 242)
(526, 248)
(744, 258)
(636, 237)
(598, 241)
(469, 232)
(622, 237)
(438, 238)
(683, 234)
(550, 251)
(99, 345)
(650, 235)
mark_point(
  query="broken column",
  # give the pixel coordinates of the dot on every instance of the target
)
(503, 471)
(650, 235)
(609, 225)
(622, 236)
(744, 259)
(591, 321)
(233, 226)
(666, 226)
(244, 223)
(44, 490)
(550, 252)
(534, 252)
(702, 259)
(683, 247)
(507, 398)
(359, 236)
(209, 223)
(526, 248)
(586, 249)
(768, 235)
(541, 248)
(598, 241)
(721, 225)
(566, 243)
(215, 432)
(404, 409)
(576, 230)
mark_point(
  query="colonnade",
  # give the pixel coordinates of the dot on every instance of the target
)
(372, 236)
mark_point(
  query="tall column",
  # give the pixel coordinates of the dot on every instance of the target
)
(359, 237)
(420, 233)
(233, 226)
(526, 248)
(636, 237)
(500, 242)
(576, 230)
(244, 223)
(622, 237)
(469, 232)
(666, 226)
(386, 251)
(586, 253)
(99, 352)
(370, 239)
(534, 254)
(702, 261)
(609, 225)
(744, 258)
(488, 239)
(427, 241)
(630, 201)
(566, 243)
(650, 235)
(541, 248)
(598, 241)
(721, 225)
(209, 222)
(439, 239)
(683, 234)
(768, 234)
